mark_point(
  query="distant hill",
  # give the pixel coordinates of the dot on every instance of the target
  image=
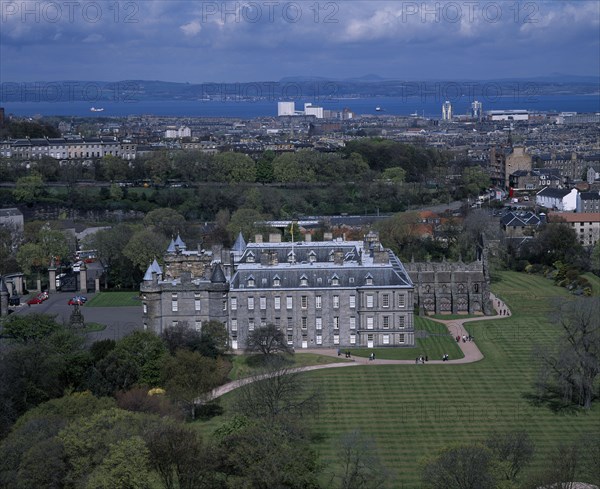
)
(308, 86)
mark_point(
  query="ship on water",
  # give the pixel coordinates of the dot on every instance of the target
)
(97, 109)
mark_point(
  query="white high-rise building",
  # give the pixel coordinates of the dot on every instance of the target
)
(447, 111)
(310, 109)
(286, 108)
(476, 109)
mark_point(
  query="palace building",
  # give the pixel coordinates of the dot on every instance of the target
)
(329, 294)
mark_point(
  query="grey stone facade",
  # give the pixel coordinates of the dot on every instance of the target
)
(331, 294)
(450, 287)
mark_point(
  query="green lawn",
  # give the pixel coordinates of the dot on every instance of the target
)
(114, 299)
(247, 365)
(411, 411)
(438, 342)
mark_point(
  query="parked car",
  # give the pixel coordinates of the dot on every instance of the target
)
(79, 300)
(77, 266)
(35, 300)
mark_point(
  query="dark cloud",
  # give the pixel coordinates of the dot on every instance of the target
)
(257, 40)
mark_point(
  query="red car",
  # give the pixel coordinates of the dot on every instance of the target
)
(36, 300)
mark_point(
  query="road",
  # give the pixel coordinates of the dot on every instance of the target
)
(119, 321)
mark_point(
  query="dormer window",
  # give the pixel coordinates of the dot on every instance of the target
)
(291, 257)
(276, 281)
(369, 280)
(304, 281)
(251, 282)
(335, 280)
(312, 257)
(250, 257)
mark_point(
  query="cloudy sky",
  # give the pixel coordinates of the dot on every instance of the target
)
(209, 41)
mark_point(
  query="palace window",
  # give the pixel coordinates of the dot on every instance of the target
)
(386, 322)
(385, 300)
(289, 301)
(304, 302)
(277, 302)
(197, 303)
(352, 321)
(263, 303)
(352, 301)
(336, 301)
(369, 300)
(318, 323)
(402, 300)
(369, 323)
(250, 303)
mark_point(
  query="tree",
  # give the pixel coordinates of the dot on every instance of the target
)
(30, 257)
(125, 466)
(395, 174)
(32, 328)
(263, 455)
(94, 443)
(167, 221)
(181, 337)
(555, 242)
(512, 450)
(359, 464)
(110, 245)
(264, 167)
(267, 340)
(214, 339)
(29, 189)
(178, 456)
(595, 258)
(147, 351)
(187, 376)
(570, 370)
(560, 470)
(461, 467)
(279, 392)
(245, 221)
(288, 169)
(144, 246)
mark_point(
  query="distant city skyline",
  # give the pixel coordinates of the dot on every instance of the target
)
(219, 41)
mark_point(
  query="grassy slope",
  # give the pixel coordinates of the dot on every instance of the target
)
(411, 411)
(434, 346)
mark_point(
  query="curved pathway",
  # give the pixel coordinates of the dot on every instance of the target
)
(455, 328)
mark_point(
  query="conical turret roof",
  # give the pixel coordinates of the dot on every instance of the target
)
(179, 242)
(218, 276)
(240, 243)
(148, 274)
(171, 248)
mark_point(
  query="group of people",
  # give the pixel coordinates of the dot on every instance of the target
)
(347, 353)
(465, 338)
(503, 311)
(372, 356)
(445, 357)
(421, 359)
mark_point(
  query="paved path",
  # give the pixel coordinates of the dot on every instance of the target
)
(455, 328)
